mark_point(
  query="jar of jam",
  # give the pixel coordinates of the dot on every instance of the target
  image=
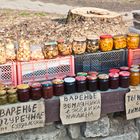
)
(134, 77)
(114, 71)
(23, 92)
(124, 79)
(106, 43)
(113, 80)
(92, 83)
(70, 85)
(119, 42)
(81, 83)
(47, 90)
(64, 47)
(79, 45)
(36, 91)
(3, 97)
(58, 86)
(124, 68)
(92, 44)
(90, 73)
(12, 96)
(103, 82)
(82, 74)
(133, 41)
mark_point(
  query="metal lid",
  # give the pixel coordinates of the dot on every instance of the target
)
(124, 73)
(80, 39)
(118, 36)
(60, 40)
(124, 68)
(114, 70)
(50, 43)
(93, 73)
(80, 78)
(81, 74)
(47, 84)
(92, 37)
(133, 35)
(35, 85)
(92, 77)
(12, 91)
(103, 76)
(2, 92)
(23, 86)
(58, 81)
(105, 36)
(134, 70)
(113, 75)
(134, 66)
(69, 80)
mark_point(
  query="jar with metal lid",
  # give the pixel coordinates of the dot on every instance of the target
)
(92, 44)
(90, 73)
(92, 83)
(50, 50)
(82, 74)
(23, 92)
(133, 40)
(124, 79)
(119, 42)
(70, 85)
(106, 43)
(3, 97)
(81, 83)
(135, 66)
(124, 68)
(12, 96)
(113, 80)
(47, 89)
(114, 70)
(79, 45)
(103, 82)
(36, 91)
(2, 53)
(58, 86)
(64, 47)
(134, 77)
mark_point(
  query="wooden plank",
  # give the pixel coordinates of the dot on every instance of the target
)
(112, 101)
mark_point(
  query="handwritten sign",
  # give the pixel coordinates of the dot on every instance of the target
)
(132, 104)
(21, 116)
(81, 107)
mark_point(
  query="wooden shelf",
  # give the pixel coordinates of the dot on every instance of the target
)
(112, 101)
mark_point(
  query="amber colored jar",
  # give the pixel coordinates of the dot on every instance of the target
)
(36, 91)
(124, 68)
(124, 79)
(133, 41)
(113, 80)
(114, 70)
(106, 43)
(3, 97)
(23, 92)
(58, 86)
(134, 77)
(103, 82)
(81, 83)
(12, 96)
(92, 83)
(119, 42)
(47, 90)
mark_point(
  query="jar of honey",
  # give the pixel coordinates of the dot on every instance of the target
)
(23, 92)
(3, 97)
(114, 80)
(133, 40)
(12, 96)
(106, 43)
(119, 42)
(134, 77)
(81, 83)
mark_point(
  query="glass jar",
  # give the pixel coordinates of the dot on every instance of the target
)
(12, 96)
(64, 47)
(24, 53)
(134, 77)
(47, 89)
(124, 79)
(103, 82)
(79, 45)
(124, 68)
(92, 44)
(92, 83)
(114, 71)
(23, 91)
(81, 83)
(106, 43)
(113, 80)
(3, 97)
(50, 50)
(36, 91)
(119, 42)
(58, 86)
(2, 53)
(133, 41)
(70, 85)
(90, 73)
(82, 74)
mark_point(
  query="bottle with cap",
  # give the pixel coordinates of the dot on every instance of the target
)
(134, 77)
(81, 83)
(113, 80)
(70, 85)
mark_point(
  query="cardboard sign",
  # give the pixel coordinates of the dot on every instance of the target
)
(132, 104)
(21, 116)
(81, 107)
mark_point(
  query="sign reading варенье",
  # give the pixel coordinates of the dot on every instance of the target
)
(132, 104)
(22, 116)
(81, 107)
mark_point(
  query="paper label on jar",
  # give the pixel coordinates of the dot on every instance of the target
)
(22, 116)
(132, 104)
(81, 107)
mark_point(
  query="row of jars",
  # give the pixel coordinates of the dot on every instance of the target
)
(28, 50)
